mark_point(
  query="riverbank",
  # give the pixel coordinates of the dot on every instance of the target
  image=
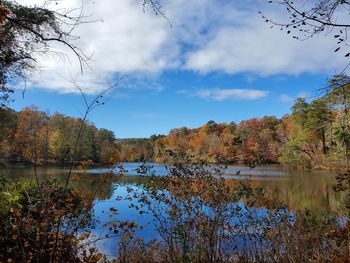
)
(50, 163)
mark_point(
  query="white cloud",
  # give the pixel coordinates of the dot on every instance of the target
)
(252, 47)
(128, 40)
(240, 42)
(207, 36)
(224, 94)
(303, 94)
(285, 98)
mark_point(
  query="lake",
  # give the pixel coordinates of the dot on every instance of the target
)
(310, 190)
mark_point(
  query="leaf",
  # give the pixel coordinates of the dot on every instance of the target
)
(337, 49)
(347, 55)
(98, 256)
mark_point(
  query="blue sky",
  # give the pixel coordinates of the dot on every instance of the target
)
(217, 62)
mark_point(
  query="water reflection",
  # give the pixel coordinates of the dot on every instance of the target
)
(310, 190)
(229, 172)
(298, 189)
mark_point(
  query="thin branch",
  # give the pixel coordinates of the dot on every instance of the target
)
(89, 108)
(80, 55)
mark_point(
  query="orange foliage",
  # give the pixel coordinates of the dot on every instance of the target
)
(3, 14)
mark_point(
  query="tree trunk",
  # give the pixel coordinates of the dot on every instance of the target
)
(324, 148)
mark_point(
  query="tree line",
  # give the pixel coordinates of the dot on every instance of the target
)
(34, 136)
(315, 133)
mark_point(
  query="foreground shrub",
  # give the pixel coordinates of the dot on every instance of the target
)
(44, 223)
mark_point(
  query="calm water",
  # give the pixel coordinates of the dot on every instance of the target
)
(299, 189)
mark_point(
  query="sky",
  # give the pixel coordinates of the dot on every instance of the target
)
(207, 60)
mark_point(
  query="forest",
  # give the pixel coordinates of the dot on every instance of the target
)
(33, 136)
(315, 134)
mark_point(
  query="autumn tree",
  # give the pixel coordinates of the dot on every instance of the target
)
(27, 144)
(8, 126)
(319, 117)
(337, 93)
(105, 140)
(198, 141)
(299, 111)
(229, 145)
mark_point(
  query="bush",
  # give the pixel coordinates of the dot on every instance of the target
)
(44, 223)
